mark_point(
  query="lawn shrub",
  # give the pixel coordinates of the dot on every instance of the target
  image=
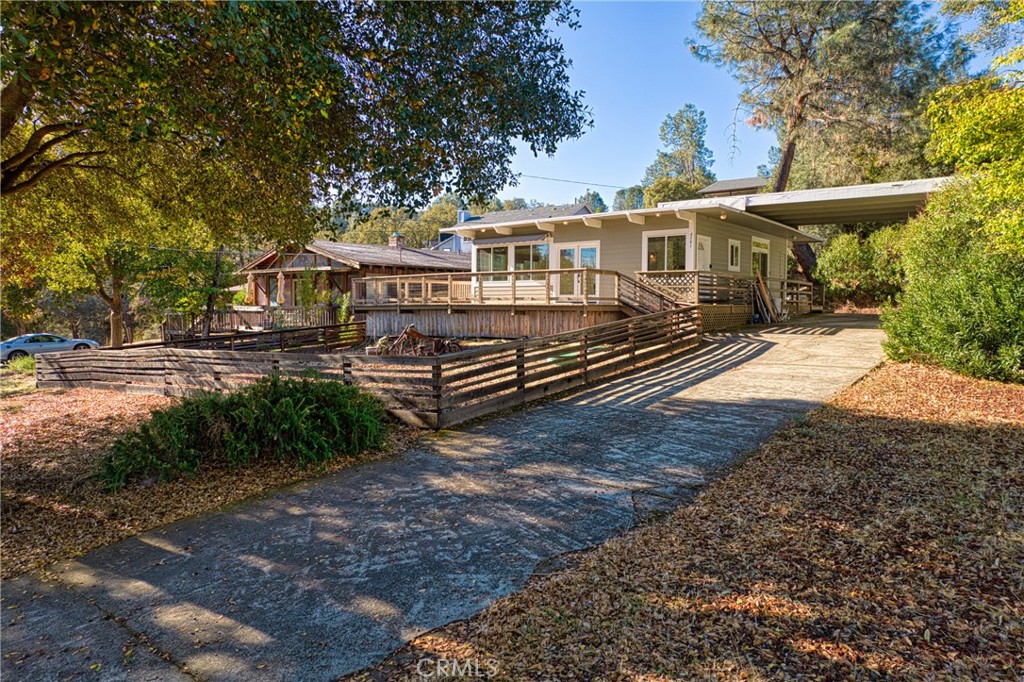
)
(22, 365)
(307, 420)
(867, 270)
(963, 304)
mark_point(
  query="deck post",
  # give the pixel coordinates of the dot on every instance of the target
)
(513, 294)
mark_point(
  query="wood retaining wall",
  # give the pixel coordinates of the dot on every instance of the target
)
(428, 392)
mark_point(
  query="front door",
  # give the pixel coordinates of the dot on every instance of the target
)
(703, 252)
(574, 256)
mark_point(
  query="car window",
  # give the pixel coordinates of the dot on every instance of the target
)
(53, 338)
(37, 339)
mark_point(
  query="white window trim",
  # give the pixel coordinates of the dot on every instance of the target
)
(739, 255)
(758, 249)
(553, 252)
(690, 253)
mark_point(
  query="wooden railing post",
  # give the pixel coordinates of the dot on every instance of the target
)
(584, 355)
(521, 369)
(438, 393)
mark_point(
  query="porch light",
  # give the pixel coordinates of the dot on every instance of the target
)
(723, 215)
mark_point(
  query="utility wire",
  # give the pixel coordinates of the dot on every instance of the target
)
(572, 182)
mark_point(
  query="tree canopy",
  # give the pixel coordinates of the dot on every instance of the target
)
(685, 154)
(809, 69)
(629, 198)
(593, 200)
(389, 101)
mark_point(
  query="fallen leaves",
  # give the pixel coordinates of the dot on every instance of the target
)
(883, 536)
(52, 508)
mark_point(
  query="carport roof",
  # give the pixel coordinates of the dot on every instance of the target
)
(878, 203)
(777, 213)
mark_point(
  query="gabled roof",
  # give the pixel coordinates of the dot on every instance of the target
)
(358, 255)
(539, 213)
(735, 185)
(374, 254)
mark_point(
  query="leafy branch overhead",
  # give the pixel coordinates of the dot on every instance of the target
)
(389, 101)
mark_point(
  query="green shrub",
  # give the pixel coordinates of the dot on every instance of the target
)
(307, 420)
(963, 304)
(23, 365)
(868, 270)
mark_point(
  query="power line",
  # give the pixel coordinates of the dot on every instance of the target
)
(572, 182)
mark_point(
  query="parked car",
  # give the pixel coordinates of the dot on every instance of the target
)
(34, 344)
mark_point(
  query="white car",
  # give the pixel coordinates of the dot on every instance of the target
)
(34, 344)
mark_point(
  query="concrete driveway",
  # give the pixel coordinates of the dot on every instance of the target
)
(329, 576)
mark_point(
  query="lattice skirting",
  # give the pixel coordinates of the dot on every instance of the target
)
(721, 317)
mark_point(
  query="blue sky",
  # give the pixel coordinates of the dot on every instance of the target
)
(632, 61)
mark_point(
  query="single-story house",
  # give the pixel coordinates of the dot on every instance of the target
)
(533, 275)
(272, 278)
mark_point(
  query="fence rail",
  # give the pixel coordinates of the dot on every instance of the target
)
(326, 338)
(187, 325)
(431, 392)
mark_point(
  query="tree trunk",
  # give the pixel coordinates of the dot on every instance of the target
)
(211, 296)
(116, 314)
(803, 253)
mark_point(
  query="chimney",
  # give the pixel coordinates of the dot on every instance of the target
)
(463, 215)
(396, 240)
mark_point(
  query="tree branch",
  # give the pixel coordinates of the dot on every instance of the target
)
(46, 170)
(34, 141)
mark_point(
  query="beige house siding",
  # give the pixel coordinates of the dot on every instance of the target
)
(722, 231)
(622, 247)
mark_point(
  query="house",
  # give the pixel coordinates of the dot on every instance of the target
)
(732, 188)
(273, 278)
(535, 275)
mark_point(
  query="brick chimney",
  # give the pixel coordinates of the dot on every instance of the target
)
(396, 240)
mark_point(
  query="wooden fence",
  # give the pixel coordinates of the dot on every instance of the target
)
(431, 392)
(325, 338)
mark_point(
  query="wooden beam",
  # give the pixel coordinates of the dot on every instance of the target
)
(546, 227)
(633, 218)
(592, 222)
(466, 234)
(503, 230)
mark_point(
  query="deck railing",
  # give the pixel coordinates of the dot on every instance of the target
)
(575, 287)
(721, 288)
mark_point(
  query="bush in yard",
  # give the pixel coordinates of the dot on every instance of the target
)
(306, 420)
(22, 365)
(864, 270)
(963, 306)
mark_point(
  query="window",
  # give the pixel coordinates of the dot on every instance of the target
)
(492, 259)
(665, 251)
(734, 255)
(530, 257)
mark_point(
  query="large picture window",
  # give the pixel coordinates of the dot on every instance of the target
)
(665, 251)
(492, 259)
(530, 257)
